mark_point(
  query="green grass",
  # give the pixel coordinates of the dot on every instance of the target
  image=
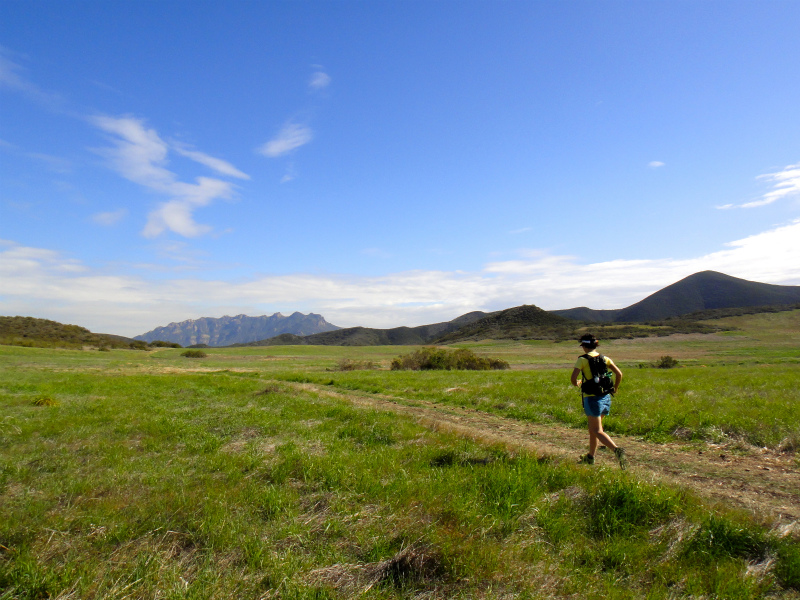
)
(754, 404)
(127, 474)
(136, 482)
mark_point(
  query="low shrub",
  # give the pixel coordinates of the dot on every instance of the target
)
(163, 344)
(348, 364)
(666, 362)
(194, 354)
(426, 359)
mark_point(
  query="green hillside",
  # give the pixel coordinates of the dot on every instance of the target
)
(520, 322)
(43, 333)
(366, 336)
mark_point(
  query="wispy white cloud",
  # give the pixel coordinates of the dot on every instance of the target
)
(520, 230)
(10, 74)
(178, 214)
(107, 219)
(44, 283)
(785, 183)
(655, 164)
(290, 173)
(140, 155)
(319, 80)
(290, 137)
(13, 79)
(217, 164)
(57, 164)
(294, 134)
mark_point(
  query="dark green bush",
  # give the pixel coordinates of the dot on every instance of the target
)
(426, 359)
(666, 362)
(194, 354)
(162, 344)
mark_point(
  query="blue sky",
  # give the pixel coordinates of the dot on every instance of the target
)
(389, 163)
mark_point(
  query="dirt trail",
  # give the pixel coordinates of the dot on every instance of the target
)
(765, 482)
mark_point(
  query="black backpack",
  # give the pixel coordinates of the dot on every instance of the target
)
(601, 382)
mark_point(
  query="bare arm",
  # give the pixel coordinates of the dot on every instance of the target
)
(617, 375)
(574, 378)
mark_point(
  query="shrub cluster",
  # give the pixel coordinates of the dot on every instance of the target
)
(666, 362)
(194, 354)
(426, 359)
(163, 344)
(348, 364)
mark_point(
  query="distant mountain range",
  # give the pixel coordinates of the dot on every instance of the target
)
(226, 331)
(705, 291)
(366, 336)
(680, 307)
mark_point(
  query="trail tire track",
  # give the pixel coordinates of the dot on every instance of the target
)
(761, 481)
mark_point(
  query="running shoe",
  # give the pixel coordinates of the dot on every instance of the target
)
(621, 457)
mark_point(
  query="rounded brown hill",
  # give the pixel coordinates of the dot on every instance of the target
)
(521, 322)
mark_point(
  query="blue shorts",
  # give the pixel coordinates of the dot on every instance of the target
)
(597, 406)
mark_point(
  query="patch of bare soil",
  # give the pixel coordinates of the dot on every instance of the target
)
(762, 481)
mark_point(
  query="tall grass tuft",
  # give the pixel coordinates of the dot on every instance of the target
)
(720, 537)
(619, 506)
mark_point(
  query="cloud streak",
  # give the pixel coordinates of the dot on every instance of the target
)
(289, 138)
(107, 219)
(44, 283)
(217, 164)
(319, 80)
(785, 183)
(140, 155)
(11, 78)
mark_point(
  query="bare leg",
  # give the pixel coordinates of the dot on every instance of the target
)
(596, 434)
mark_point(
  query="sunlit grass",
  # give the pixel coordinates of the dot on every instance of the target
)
(131, 474)
(229, 485)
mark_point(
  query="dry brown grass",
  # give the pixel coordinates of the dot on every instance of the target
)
(45, 401)
(418, 565)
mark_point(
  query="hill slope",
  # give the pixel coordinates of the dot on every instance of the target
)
(43, 333)
(365, 336)
(707, 290)
(521, 322)
(241, 329)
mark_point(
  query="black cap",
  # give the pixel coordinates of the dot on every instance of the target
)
(587, 339)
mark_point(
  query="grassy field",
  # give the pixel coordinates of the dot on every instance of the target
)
(130, 474)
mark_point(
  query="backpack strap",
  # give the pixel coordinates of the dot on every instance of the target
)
(595, 363)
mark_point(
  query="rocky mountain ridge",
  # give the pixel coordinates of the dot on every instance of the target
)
(239, 329)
